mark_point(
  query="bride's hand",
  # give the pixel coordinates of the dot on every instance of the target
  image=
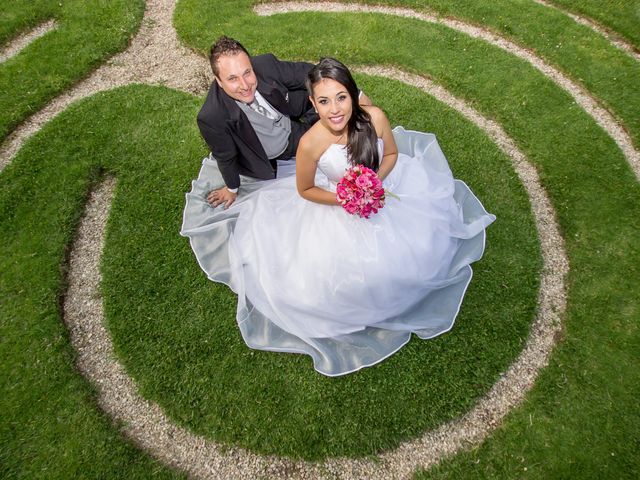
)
(220, 196)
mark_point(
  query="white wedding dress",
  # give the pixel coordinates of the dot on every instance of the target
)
(345, 290)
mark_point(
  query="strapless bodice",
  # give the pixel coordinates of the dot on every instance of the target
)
(334, 161)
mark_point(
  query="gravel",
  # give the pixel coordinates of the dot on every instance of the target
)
(154, 57)
(17, 44)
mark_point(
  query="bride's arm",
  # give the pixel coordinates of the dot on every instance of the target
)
(307, 158)
(383, 130)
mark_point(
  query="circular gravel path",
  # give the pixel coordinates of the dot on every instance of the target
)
(146, 424)
(156, 57)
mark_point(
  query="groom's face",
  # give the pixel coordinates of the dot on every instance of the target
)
(236, 77)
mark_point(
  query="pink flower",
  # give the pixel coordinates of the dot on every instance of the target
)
(351, 208)
(360, 191)
(363, 181)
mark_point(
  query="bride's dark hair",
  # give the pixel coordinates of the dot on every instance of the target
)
(362, 141)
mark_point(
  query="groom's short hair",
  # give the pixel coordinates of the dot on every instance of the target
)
(224, 46)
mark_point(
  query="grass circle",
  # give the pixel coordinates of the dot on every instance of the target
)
(175, 331)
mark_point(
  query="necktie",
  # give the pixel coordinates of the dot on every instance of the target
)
(260, 109)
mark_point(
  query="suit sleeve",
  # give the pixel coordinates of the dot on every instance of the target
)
(290, 78)
(291, 74)
(223, 150)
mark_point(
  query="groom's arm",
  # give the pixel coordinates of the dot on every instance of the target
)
(224, 151)
(363, 99)
(289, 77)
(292, 75)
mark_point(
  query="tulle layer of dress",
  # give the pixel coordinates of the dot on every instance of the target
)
(347, 291)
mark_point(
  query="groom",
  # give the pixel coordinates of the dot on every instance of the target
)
(256, 111)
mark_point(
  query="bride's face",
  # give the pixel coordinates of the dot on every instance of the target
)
(333, 103)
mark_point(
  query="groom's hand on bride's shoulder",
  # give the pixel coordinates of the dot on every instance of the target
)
(222, 196)
(363, 99)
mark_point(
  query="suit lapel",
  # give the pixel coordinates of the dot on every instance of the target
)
(241, 124)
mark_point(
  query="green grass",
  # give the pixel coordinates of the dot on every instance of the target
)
(620, 16)
(88, 33)
(586, 57)
(610, 74)
(20, 15)
(175, 331)
(50, 425)
(187, 353)
(587, 169)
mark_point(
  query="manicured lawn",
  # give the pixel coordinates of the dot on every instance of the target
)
(51, 426)
(175, 331)
(586, 57)
(20, 15)
(188, 355)
(620, 16)
(88, 33)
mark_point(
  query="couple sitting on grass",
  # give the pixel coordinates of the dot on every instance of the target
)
(339, 235)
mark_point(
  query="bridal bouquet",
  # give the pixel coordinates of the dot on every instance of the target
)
(360, 191)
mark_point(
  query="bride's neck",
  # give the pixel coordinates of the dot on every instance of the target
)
(338, 137)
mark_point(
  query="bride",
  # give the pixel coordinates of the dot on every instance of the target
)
(313, 279)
